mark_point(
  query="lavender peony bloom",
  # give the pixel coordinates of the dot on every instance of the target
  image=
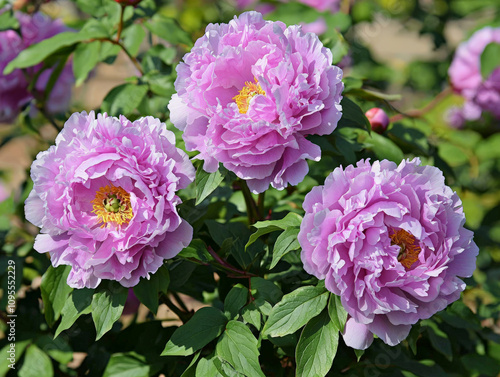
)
(105, 199)
(250, 92)
(390, 241)
(465, 75)
(14, 87)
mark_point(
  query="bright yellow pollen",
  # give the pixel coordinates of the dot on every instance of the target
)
(112, 205)
(409, 249)
(245, 95)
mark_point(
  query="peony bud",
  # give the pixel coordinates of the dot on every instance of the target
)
(378, 119)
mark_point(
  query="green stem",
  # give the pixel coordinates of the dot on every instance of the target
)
(260, 205)
(252, 209)
(120, 24)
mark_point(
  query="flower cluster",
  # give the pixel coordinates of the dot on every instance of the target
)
(390, 241)
(480, 94)
(249, 93)
(14, 91)
(105, 199)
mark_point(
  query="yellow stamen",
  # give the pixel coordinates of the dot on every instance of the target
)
(409, 250)
(246, 94)
(112, 205)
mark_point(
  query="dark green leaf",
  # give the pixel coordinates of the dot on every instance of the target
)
(286, 242)
(235, 300)
(58, 349)
(266, 290)
(295, 310)
(85, 58)
(191, 369)
(78, 303)
(384, 148)
(36, 363)
(481, 365)
(37, 53)
(317, 347)
(206, 325)
(55, 291)
(20, 347)
(352, 115)
(238, 347)
(337, 312)
(148, 289)
(123, 99)
(206, 183)
(490, 59)
(107, 306)
(438, 338)
(371, 95)
(196, 250)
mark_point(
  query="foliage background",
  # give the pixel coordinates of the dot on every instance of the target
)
(400, 53)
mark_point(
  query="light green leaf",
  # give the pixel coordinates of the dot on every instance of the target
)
(169, 30)
(286, 242)
(337, 312)
(8, 21)
(85, 58)
(130, 364)
(235, 300)
(55, 291)
(384, 148)
(36, 363)
(37, 53)
(19, 348)
(295, 310)
(490, 59)
(78, 303)
(206, 183)
(317, 347)
(148, 289)
(107, 306)
(206, 367)
(238, 347)
(251, 315)
(206, 325)
(264, 227)
(123, 99)
(133, 36)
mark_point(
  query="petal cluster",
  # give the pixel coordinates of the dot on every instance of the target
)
(249, 93)
(390, 241)
(481, 94)
(139, 167)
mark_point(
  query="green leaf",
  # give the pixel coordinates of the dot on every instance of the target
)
(123, 99)
(85, 58)
(251, 315)
(107, 306)
(371, 95)
(36, 363)
(286, 242)
(238, 347)
(439, 339)
(384, 148)
(78, 303)
(37, 53)
(206, 367)
(226, 369)
(481, 365)
(295, 310)
(206, 183)
(55, 291)
(235, 300)
(317, 347)
(196, 250)
(169, 30)
(264, 227)
(130, 364)
(352, 115)
(490, 59)
(265, 289)
(58, 349)
(191, 369)
(148, 289)
(8, 21)
(337, 312)
(133, 36)
(206, 325)
(20, 347)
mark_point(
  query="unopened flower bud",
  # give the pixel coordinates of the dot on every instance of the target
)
(378, 119)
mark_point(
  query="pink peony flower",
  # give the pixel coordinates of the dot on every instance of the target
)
(250, 92)
(105, 199)
(14, 87)
(378, 119)
(390, 241)
(465, 75)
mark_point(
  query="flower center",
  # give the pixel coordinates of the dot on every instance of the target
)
(246, 94)
(112, 205)
(409, 249)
